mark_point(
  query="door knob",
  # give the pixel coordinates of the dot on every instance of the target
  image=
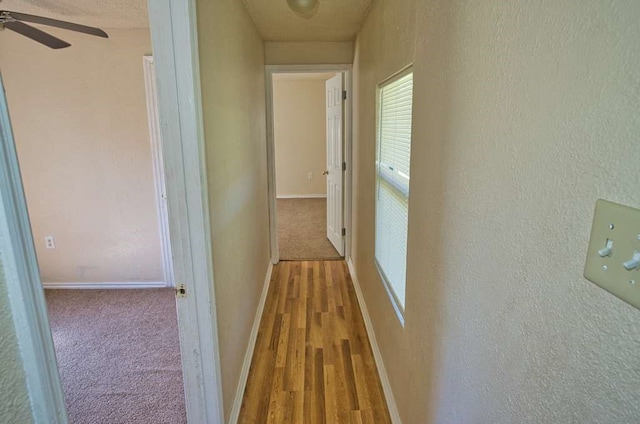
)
(325, 172)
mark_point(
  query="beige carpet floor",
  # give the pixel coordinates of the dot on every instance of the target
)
(119, 355)
(302, 230)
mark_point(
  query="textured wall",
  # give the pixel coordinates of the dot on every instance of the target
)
(80, 123)
(305, 53)
(299, 118)
(525, 113)
(233, 97)
(14, 399)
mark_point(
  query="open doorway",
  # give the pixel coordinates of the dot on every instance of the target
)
(86, 162)
(309, 179)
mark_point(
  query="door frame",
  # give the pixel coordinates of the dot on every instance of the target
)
(157, 161)
(174, 36)
(174, 39)
(346, 71)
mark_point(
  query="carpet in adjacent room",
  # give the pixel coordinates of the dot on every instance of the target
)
(302, 230)
(118, 354)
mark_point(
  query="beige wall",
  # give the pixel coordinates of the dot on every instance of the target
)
(305, 53)
(80, 123)
(14, 398)
(233, 97)
(524, 114)
(299, 118)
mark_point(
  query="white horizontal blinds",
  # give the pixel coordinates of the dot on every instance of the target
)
(392, 185)
(395, 131)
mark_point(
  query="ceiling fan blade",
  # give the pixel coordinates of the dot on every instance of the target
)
(37, 35)
(58, 24)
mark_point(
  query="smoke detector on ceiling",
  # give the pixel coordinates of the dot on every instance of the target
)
(304, 8)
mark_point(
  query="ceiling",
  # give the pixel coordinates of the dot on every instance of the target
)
(335, 20)
(99, 13)
(298, 76)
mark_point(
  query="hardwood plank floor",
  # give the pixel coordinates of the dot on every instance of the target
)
(313, 362)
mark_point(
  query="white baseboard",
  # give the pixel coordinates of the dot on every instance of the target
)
(103, 286)
(246, 365)
(301, 196)
(382, 372)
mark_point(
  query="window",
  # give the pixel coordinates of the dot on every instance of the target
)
(393, 151)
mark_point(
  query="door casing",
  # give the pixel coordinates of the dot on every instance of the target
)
(346, 70)
(159, 179)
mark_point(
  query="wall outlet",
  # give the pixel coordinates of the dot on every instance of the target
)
(613, 258)
(50, 242)
(310, 175)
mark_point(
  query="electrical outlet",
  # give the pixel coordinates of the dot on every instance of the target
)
(613, 258)
(50, 242)
(310, 175)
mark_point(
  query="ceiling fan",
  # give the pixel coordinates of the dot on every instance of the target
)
(15, 21)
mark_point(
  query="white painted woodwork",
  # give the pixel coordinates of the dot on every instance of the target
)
(302, 196)
(270, 71)
(158, 169)
(175, 52)
(248, 356)
(335, 178)
(104, 285)
(377, 355)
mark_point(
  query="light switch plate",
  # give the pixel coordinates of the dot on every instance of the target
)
(619, 225)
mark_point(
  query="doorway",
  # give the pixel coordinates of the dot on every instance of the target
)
(86, 164)
(181, 122)
(309, 152)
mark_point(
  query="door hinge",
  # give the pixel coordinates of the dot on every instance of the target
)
(181, 290)
(344, 232)
(344, 94)
(344, 166)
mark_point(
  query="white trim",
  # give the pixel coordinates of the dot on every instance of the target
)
(301, 196)
(175, 51)
(20, 268)
(382, 372)
(246, 364)
(392, 296)
(346, 70)
(105, 286)
(158, 168)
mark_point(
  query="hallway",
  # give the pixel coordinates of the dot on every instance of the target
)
(312, 361)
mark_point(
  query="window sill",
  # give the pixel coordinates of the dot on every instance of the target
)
(394, 302)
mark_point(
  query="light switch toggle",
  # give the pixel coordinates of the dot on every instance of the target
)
(633, 263)
(606, 250)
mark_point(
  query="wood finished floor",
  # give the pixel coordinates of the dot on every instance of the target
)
(312, 361)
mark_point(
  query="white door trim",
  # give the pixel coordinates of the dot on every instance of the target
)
(174, 38)
(173, 32)
(157, 160)
(271, 159)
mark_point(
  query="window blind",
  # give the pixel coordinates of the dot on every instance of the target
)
(393, 153)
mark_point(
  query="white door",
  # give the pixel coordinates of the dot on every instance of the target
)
(334, 171)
